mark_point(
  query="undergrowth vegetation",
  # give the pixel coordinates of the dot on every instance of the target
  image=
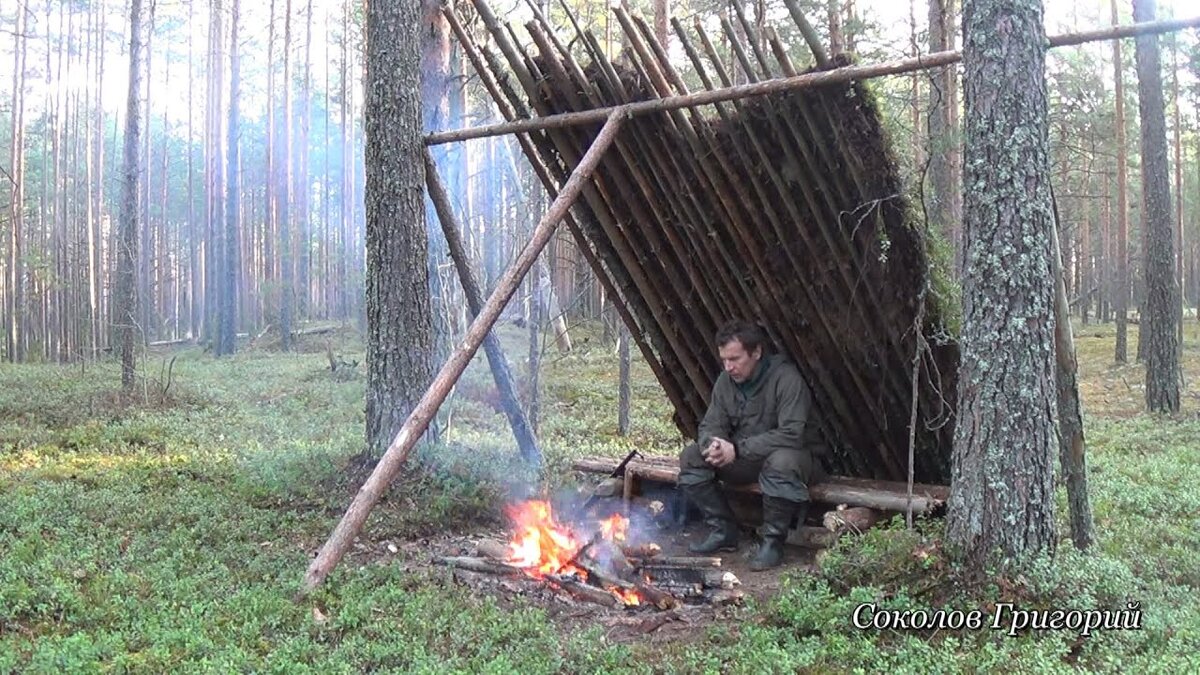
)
(168, 529)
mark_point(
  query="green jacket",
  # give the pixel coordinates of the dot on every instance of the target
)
(771, 411)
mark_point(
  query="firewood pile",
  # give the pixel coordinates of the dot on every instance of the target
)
(608, 567)
(787, 209)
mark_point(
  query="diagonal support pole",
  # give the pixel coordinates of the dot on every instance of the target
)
(491, 344)
(418, 420)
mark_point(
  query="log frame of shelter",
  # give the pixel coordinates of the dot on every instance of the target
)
(351, 523)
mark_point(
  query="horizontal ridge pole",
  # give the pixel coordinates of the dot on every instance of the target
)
(775, 85)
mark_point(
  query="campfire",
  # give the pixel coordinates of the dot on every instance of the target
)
(601, 562)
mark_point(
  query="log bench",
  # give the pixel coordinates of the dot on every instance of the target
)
(833, 490)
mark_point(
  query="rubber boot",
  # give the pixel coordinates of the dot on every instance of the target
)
(711, 501)
(777, 520)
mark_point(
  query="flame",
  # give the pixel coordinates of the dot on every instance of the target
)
(630, 597)
(615, 527)
(542, 546)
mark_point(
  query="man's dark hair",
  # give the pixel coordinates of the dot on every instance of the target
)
(751, 335)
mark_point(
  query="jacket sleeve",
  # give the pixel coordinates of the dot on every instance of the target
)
(716, 422)
(794, 401)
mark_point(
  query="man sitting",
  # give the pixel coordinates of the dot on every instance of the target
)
(760, 427)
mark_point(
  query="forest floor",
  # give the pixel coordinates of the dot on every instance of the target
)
(169, 531)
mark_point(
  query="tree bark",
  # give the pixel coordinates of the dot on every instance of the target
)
(226, 343)
(125, 313)
(833, 10)
(399, 326)
(1001, 504)
(15, 307)
(1120, 296)
(146, 248)
(1071, 444)
(283, 191)
(300, 190)
(1178, 221)
(623, 378)
(942, 134)
(1162, 293)
(662, 20)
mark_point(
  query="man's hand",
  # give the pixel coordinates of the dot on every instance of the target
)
(719, 453)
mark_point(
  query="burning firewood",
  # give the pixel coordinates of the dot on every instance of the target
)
(587, 593)
(655, 596)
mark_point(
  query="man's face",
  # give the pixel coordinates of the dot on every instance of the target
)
(738, 362)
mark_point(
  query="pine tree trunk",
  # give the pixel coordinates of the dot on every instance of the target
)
(833, 12)
(435, 74)
(399, 328)
(1072, 449)
(345, 215)
(535, 347)
(195, 276)
(1158, 328)
(941, 139)
(1104, 264)
(1179, 244)
(623, 378)
(301, 189)
(146, 249)
(326, 190)
(98, 253)
(271, 227)
(229, 259)
(1120, 294)
(662, 19)
(1001, 506)
(1085, 264)
(15, 307)
(283, 187)
(126, 290)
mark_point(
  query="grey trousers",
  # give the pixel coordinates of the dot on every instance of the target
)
(785, 474)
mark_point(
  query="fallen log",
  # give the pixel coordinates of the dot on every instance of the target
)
(856, 519)
(677, 561)
(490, 548)
(480, 565)
(315, 330)
(169, 343)
(875, 494)
(665, 577)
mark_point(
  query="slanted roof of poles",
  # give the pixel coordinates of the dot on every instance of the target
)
(774, 203)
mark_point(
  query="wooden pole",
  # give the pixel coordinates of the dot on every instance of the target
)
(491, 345)
(418, 420)
(775, 85)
